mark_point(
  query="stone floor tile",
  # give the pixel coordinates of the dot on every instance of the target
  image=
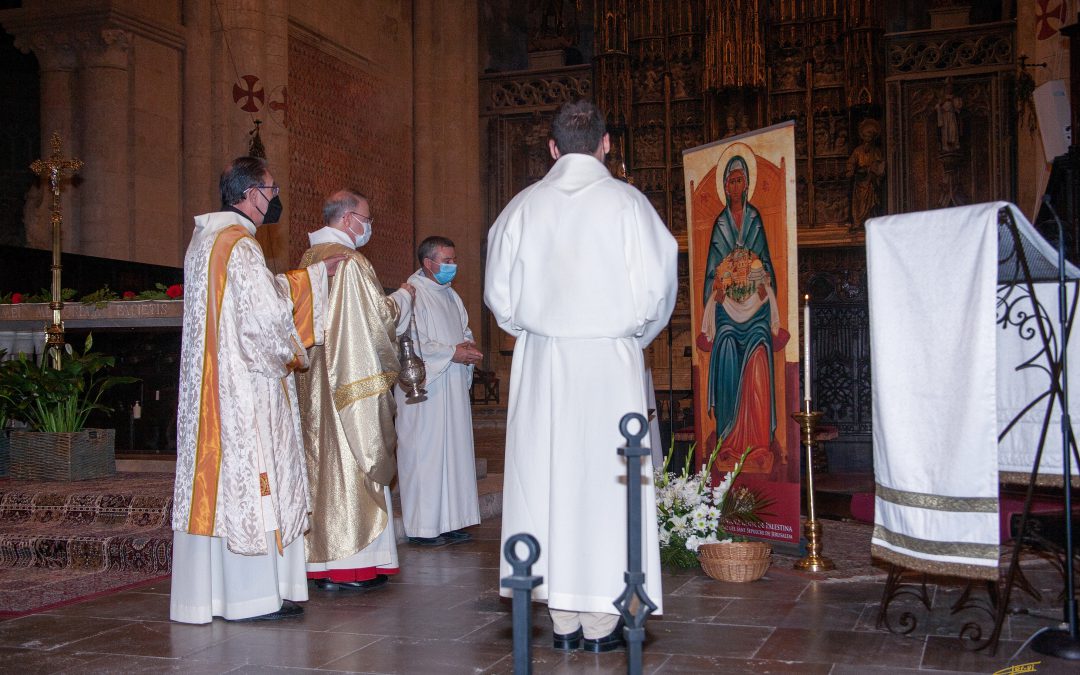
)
(730, 666)
(838, 646)
(400, 655)
(47, 631)
(127, 605)
(161, 639)
(694, 609)
(821, 615)
(742, 612)
(946, 653)
(864, 669)
(766, 587)
(143, 665)
(414, 621)
(33, 662)
(277, 647)
(701, 639)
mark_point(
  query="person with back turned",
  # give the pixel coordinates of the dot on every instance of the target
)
(582, 272)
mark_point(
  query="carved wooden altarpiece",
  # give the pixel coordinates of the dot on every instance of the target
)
(950, 122)
(516, 109)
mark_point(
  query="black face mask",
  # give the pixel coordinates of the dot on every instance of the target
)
(273, 211)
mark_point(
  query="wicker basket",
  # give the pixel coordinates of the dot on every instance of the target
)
(739, 561)
(37, 455)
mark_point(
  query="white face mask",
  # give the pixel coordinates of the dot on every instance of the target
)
(364, 237)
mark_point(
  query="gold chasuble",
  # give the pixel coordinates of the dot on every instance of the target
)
(347, 410)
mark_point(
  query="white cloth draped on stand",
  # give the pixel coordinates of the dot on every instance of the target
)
(944, 384)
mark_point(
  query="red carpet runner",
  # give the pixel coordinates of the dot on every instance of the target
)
(60, 542)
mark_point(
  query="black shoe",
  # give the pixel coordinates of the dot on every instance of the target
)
(327, 585)
(609, 643)
(427, 541)
(568, 643)
(456, 537)
(288, 609)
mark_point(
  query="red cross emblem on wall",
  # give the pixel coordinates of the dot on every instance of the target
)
(252, 96)
(1048, 20)
(279, 106)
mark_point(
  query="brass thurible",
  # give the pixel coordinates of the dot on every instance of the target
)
(413, 374)
(813, 561)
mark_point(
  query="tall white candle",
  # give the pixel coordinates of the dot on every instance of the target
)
(806, 347)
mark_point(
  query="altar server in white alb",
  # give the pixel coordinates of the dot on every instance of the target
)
(582, 271)
(241, 499)
(436, 464)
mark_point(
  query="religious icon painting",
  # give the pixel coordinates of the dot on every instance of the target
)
(740, 203)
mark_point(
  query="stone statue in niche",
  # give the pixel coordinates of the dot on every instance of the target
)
(550, 28)
(730, 125)
(950, 126)
(866, 169)
(649, 82)
(840, 139)
(948, 119)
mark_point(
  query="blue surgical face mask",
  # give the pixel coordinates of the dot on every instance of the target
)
(446, 273)
(364, 237)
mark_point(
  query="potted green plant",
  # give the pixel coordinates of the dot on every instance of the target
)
(54, 403)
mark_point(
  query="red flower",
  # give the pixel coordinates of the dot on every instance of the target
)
(128, 295)
(176, 291)
(16, 298)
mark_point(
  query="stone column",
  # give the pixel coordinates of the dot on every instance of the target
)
(200, 165)
(57, 65)
(107, 203)
(446, 111)
(253, 43)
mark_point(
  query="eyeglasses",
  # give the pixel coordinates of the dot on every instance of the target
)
(274, 189)
(364, 220)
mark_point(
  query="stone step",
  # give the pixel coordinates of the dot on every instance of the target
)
(120, 523)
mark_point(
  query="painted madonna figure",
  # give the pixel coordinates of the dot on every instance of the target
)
(742, 323)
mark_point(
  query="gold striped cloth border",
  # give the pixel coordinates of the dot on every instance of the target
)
(959, 549)
(922, 500)
(360, 389)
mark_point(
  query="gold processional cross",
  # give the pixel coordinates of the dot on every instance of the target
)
(55, 167)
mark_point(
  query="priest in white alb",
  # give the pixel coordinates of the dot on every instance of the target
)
(241, 500)
(347, 409)
(436, 464)
(582, 271)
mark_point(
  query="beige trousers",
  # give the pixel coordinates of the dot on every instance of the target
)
(593, 624)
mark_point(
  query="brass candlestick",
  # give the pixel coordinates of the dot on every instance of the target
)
(813, 561)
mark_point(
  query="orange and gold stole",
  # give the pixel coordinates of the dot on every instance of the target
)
(208, 438)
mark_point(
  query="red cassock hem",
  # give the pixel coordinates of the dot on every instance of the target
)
(356, 574)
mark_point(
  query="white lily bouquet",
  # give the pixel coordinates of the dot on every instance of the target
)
(691, 511)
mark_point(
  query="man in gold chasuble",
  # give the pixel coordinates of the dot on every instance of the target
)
(347, 409)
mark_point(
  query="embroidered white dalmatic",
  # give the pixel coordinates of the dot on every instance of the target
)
(259, 439)
(436, 462)
(582, 271)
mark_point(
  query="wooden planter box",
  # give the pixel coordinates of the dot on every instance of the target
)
(5, 452)
(37, 455)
